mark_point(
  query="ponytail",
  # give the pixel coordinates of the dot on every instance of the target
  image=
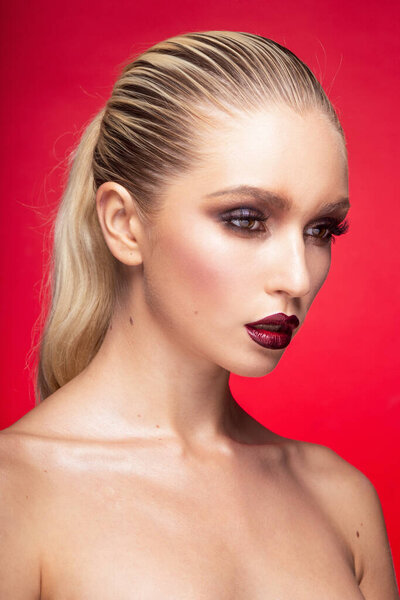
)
(82, 276)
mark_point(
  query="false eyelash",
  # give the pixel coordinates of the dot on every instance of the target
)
(337, 229)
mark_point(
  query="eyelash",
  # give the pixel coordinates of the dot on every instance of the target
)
(334, 227)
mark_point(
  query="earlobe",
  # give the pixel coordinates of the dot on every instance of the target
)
(119, 222)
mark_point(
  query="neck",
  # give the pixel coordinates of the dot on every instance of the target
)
(152, 386)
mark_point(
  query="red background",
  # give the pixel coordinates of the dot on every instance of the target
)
(338, 383)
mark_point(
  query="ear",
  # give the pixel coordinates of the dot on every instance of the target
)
(119, 222)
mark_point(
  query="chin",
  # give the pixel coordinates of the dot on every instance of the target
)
(258, 368)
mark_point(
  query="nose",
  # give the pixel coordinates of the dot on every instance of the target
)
(288, 271)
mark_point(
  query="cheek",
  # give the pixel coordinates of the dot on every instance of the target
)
(195, 271)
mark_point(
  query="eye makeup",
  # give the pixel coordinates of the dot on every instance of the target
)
(252, 220)
(333, 227)
(249, 221)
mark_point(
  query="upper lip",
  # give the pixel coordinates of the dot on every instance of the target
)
(279, 319)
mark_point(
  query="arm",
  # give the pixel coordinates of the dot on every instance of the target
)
(351, 501)
(378, 581)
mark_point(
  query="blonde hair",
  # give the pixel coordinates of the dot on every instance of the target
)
(148, 132)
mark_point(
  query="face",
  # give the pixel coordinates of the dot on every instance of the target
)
(246, 235)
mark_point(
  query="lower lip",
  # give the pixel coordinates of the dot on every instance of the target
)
(269, 339)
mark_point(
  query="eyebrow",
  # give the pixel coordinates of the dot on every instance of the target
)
(278, 201)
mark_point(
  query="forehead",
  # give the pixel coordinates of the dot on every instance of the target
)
(281, 144)
(301, 157)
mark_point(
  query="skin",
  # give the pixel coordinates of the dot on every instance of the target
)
(142, 477)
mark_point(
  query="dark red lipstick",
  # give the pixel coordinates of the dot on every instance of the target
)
(274, 331)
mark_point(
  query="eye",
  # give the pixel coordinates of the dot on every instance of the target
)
(245, 220)
(328, 231)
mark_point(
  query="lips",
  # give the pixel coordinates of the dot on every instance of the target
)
(279, 322)
(274, 331)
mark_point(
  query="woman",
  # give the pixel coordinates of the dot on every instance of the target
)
(203, 199)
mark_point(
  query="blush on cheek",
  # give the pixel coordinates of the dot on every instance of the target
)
(202, 268)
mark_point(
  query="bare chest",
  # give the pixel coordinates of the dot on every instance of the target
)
(142, 536)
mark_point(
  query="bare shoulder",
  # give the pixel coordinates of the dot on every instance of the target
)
(320, 463)
(350, 497)
(29, 453)
(19, 534)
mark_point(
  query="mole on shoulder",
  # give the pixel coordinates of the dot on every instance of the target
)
(358, 535)
(131, 320)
